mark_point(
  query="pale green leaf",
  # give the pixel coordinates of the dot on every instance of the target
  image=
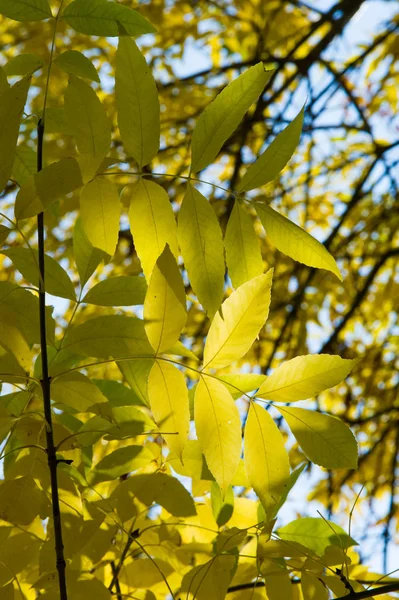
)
(13, 340)
(76, 390)
(136, 373)
(145, 573)
(12, 103)
(42, 189)
(304, 377)
(152, 223)
(324, 439)
(313, 588)
(201, 243)
(99, 17)
(239, 384)
(55, 120)
(209, 580)
(243, 257)
(274, 159)
(25, 164)
(315, 534)
(57, 281)
(25, 10)
(100, 210)
(235, 328)
(137, 103)
(111, 335)
(126, 290)
(120, 462)
(117, 393)
(20, 500)
(265, 457)
(23, 64)
(220, 119)
(87, 258)
(293, 478)
(218, 428)
(10, 369)
(76, 63)
(222, 509)
(165, 303)
(129, 422)
(168, 396)
(294, 241)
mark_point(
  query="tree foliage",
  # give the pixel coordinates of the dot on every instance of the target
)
(212, 248)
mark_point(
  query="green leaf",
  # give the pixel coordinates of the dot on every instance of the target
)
(201, 243)
(304, 377)
(111, 335)
(136, 373)
(23, 64)
(312, 588)
(4, 233)
(145, 573)
(10, 370)
(265, 457)
(222, 509)
(4, 85)
(25, 10)
(100, 210)
(120, 462)
(211, 579)
(87, 258)
(55, 120)
(243, 257)
(294, 241)
(118, 394)
(293, 478)
(12, 103)
(218, 427)
(316, 534)
(76, 390)
(76, 63)
(20, 500)
(163, 490)
(137, 103)
(274, 159)
(192, 463)
(152, 223)
(99, 17)
(87, 120)
(42, 189)
(13, 340)
(57, 280)
(244, 313)
(324, 439)
(25, 164)
(220, 119)
(239, 384)
(165, 303)
(168, 396)
(126, 290)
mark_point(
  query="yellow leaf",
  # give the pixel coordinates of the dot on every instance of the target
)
(168, 396)
(324, 439)
(243, 315)
(294, 241)
(201, 243)
(100, 209)
(152, 223)
(265, 457)
(243, 257)
(223, 115)
(304, 377)
(20, 500)
(209, 580)
(126, 290)
(218, 427)
(76, 390)
(12, 340)
(137, 103)
(87, 258)
(165, 303)
(145, 572)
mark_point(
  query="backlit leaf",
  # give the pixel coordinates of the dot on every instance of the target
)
(57, 281)
(20, 500)
(209, 580)
(120, 462)
(25, 10)
(145, 572)
(274, 159)
(152, 223)
(218, 427)
(100, 210)
(117, 393)
(315, 534)
(294, 241)
(243, 257)
(222, 509)
(324, 439)
(42, 189)
(12, 103)
(12, 339)
(137, 103)
(76, 390)
(136, 373)
(293, 478)
(266, 459)
(168, 396)
(87, 258)
(313, 588)
(304, 377)
(239, 384)
(76, 63)
(201, 243)
(23, 64)
(220, 119)
(25, 164)
(100, 17)
(244, 313)
(126, 290)
(165, 303)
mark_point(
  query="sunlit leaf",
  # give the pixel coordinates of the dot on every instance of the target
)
(209, 580)
(223, 115)
(25, 10)
(146, 572)
(315, 534)
(126, 290)
(243, 315)
(304, 377)
(266, 459)
(293, 478)
(76, 390)
(87, 258)
(239, 384)
(274, 159)
(120, 462)
(136, 374)
(25, 164)
(137, 103)
(13, 340)
(324, 439)
(222, 509)
(76, 63)
(100, 210)
(218, 427)
(294, 241)
(20, 500)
